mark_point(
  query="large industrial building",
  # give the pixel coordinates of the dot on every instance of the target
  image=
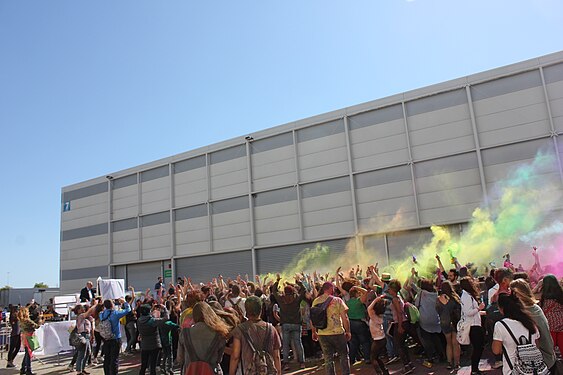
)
(379, 173)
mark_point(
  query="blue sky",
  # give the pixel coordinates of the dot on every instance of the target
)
(90, 88)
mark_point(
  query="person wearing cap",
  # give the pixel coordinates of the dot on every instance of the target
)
(335, 336)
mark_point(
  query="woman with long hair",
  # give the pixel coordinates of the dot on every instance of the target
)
(232, 321)
(27, 329)
(448, 307)
(517, 322)
(206, 338)
(551, 303)
(97, 337)
(84, 325)
(523, 291)
(471, 306)
(15, 338)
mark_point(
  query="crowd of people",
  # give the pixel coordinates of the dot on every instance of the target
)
(243, 326)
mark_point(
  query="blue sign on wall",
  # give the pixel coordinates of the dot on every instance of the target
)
(66, 206)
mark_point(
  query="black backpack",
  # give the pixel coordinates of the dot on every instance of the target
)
(318, 314)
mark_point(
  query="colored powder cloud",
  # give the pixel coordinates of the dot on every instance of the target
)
(516, 218)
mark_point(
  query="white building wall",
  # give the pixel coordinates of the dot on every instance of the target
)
(424, 157)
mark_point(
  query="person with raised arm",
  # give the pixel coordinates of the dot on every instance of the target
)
(334, 337)
(112, 346)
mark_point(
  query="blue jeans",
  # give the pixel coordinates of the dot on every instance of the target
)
(361, 337)
(83, 352)
(292, 332)
(331, 344)
(389, 345)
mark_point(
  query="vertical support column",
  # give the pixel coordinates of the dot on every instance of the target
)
(209, 218)
(139, 212)
(411, 163)
(297, 185)
(477, 145)
(251, 205)
(351, 176)
(386, 243)
(172, 204)
(551, 125)
(110, 235)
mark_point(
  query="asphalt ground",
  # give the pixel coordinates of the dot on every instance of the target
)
(130, 364)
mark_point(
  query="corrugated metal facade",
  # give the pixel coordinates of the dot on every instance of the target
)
(429, 156)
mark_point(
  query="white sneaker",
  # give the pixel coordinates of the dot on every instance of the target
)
(497, 364)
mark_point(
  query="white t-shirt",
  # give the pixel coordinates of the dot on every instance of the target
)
(501, 334)
(239, 301)
(376, 325)
(492, 292)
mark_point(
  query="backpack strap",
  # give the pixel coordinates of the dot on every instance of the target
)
(325, 304)
(190, 346)
(210, 351)
(248, 339)
(503, 349)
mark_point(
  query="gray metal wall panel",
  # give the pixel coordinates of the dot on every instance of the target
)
(155, 219)
(320, 131)
(405, 244)
(275, 196)
(155, 173)
(190, 164)
(375, 246)
(375, 117)
(276, 259)
(190, 212)
(517, 151)
(85, 273)
(228, 154)
(143, 276)
(445, 165)
(553, 73)
(436, 102)
(506, 85)
(228, 205)
(383, 176)
(92, 230)
(120, 272)
(331, 186)
(122, 182)
(271, 143)
(122, 225)
(84, 192)
(204, 268)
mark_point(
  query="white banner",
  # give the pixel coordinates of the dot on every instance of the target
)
(111, 288)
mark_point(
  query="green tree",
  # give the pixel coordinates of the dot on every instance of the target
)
(41, 285)
(6, 287)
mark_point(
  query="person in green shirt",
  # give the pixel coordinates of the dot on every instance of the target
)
(357, 314)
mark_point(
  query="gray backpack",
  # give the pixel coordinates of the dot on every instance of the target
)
(105, 329)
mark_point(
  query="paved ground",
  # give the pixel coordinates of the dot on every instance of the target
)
(129, 364)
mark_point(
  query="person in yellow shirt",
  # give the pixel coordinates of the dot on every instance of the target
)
(333, 339)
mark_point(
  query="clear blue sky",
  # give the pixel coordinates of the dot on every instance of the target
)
(92, 87)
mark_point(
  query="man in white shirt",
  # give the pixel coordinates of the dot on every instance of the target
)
(235, 301)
